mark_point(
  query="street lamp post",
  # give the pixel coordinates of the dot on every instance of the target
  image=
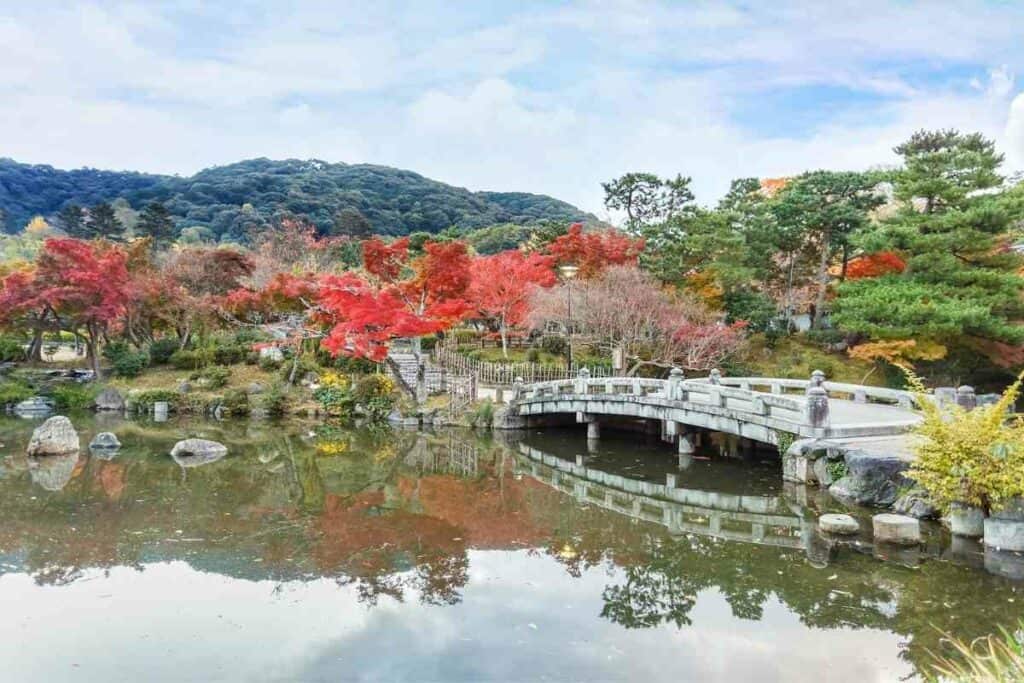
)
(568, 273)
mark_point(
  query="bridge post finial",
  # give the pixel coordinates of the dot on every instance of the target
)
(966, 398)
(715, 377)
(517, 388)
(582, 377)
(817, 407)
(675, 381)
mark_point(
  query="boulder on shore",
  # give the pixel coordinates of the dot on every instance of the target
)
(916, 503)
(110, 399)
(56, 436)
(871, 479)
(196, 452)
(36, 406)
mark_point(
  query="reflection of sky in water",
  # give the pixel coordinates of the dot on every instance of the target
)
(440, 557)
(522, 617)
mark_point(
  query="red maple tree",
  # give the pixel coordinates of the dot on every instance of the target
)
(76, 286)
(399, 297)
(594, 251)
(501, 286)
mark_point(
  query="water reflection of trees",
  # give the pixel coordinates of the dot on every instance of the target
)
(396, 515)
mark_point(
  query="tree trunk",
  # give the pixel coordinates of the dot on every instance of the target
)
(35, 347)
(91, 352)
(503, 329)
(819, 302)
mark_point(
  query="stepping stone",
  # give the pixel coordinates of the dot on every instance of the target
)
(896, 529)
(838, 524)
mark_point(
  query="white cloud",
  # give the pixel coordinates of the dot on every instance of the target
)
(546, 99)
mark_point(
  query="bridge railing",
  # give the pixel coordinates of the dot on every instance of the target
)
(781, 386)
(706, 396)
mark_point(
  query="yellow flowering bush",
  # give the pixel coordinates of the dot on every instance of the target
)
(969, 456)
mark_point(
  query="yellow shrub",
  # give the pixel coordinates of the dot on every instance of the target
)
(974, 457)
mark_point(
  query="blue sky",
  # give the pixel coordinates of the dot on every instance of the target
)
(531, 96)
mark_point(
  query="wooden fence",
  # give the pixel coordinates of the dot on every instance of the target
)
(487, 372)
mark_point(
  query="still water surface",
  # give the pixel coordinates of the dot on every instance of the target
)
(324, 555)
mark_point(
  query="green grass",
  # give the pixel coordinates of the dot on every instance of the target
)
(796, 358)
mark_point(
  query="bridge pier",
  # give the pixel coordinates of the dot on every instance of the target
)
(593, 430)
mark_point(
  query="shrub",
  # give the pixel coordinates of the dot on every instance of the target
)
(533, 355)
(464, 336)
(375, 394)
(483, 415)
(73, 396)
(124, 360)
(188, 359)
(236, 402)
(307, 364)
(213, 377)
(144, 400)
(428, 343)
(825, 338)
(275, 399)
(161, 350)
(556, 346)
(335, 394)
(11, 349)
(14, 392)
(969, 456)
(247, 336)
(229, 355)
(268, 364)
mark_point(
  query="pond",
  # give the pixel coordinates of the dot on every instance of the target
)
(326, 554)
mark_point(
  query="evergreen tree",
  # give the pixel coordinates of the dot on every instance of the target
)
(351, 222)
(103, 222)
(72, 221)
(823, 209)
(156, 222)
(961, 278)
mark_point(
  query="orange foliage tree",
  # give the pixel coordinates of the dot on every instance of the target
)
(501, 286)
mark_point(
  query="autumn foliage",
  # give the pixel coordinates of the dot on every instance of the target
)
(592, 252)
(875, 265)
(501, 286)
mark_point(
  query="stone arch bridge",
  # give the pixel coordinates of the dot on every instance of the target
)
(760, 409)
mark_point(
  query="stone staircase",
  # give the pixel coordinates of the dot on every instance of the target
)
(403, 366)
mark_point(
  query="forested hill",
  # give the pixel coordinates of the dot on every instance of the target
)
(227, 202)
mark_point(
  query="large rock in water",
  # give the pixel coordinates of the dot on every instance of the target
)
(110, 399)
(105, 441)
(871, 479)
(56, 436)
(196, 452)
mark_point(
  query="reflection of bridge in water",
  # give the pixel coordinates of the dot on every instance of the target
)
(765, 520)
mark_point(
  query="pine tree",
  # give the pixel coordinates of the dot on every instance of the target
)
(961, 280)
(156, 222)
(103, 222)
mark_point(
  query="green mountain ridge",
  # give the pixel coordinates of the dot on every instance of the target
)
(230, 202)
